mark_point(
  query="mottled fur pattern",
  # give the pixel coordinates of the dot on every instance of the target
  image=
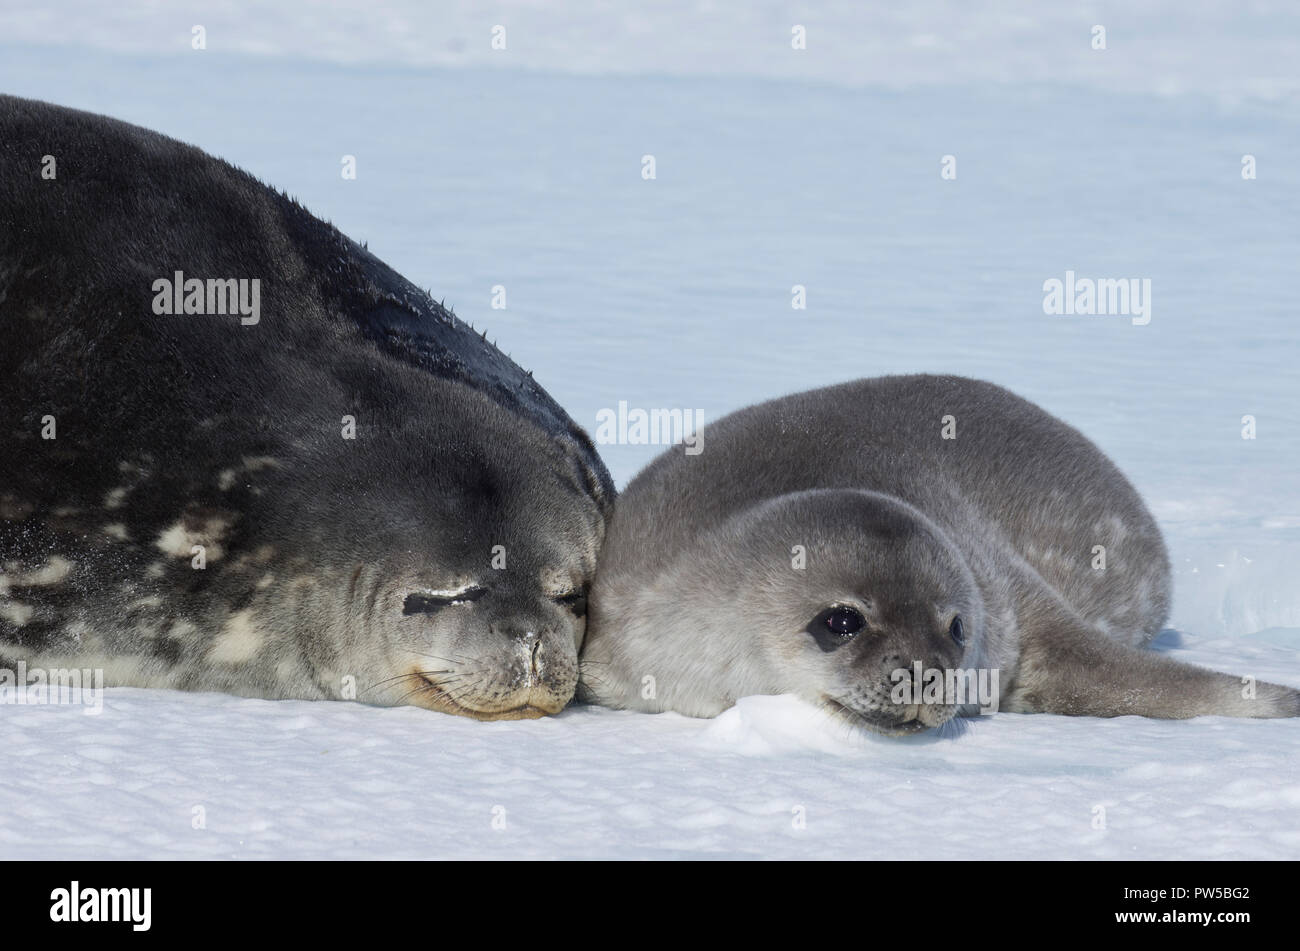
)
(195, 430)
(699, 599)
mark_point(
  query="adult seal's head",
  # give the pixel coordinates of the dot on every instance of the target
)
(240, 453)
(455, 575)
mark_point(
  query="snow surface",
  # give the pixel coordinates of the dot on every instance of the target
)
(523, 168)
(296, 779)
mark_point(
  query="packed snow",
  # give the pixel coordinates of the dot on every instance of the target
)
(522, 168)
(160, 774)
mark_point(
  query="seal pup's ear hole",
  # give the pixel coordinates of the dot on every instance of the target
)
(836, 626)
(427, 602)
(957, 631)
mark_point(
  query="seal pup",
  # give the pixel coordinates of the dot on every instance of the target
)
(239, 453)
(844, 543)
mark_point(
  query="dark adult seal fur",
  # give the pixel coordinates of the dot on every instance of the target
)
(341, 492)
(835, 545)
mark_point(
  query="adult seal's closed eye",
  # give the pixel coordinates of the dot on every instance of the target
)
(860, 544)
(239, 453)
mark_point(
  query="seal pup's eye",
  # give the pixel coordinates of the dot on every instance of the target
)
(575, 601)
(957, 631)
(836, 626)
(427, 602)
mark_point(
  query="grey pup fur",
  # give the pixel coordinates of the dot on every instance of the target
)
(698, 601)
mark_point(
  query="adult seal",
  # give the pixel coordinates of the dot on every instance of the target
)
(880, 546)
(239, 453)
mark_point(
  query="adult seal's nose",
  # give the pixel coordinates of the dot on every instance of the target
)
(530, 645)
